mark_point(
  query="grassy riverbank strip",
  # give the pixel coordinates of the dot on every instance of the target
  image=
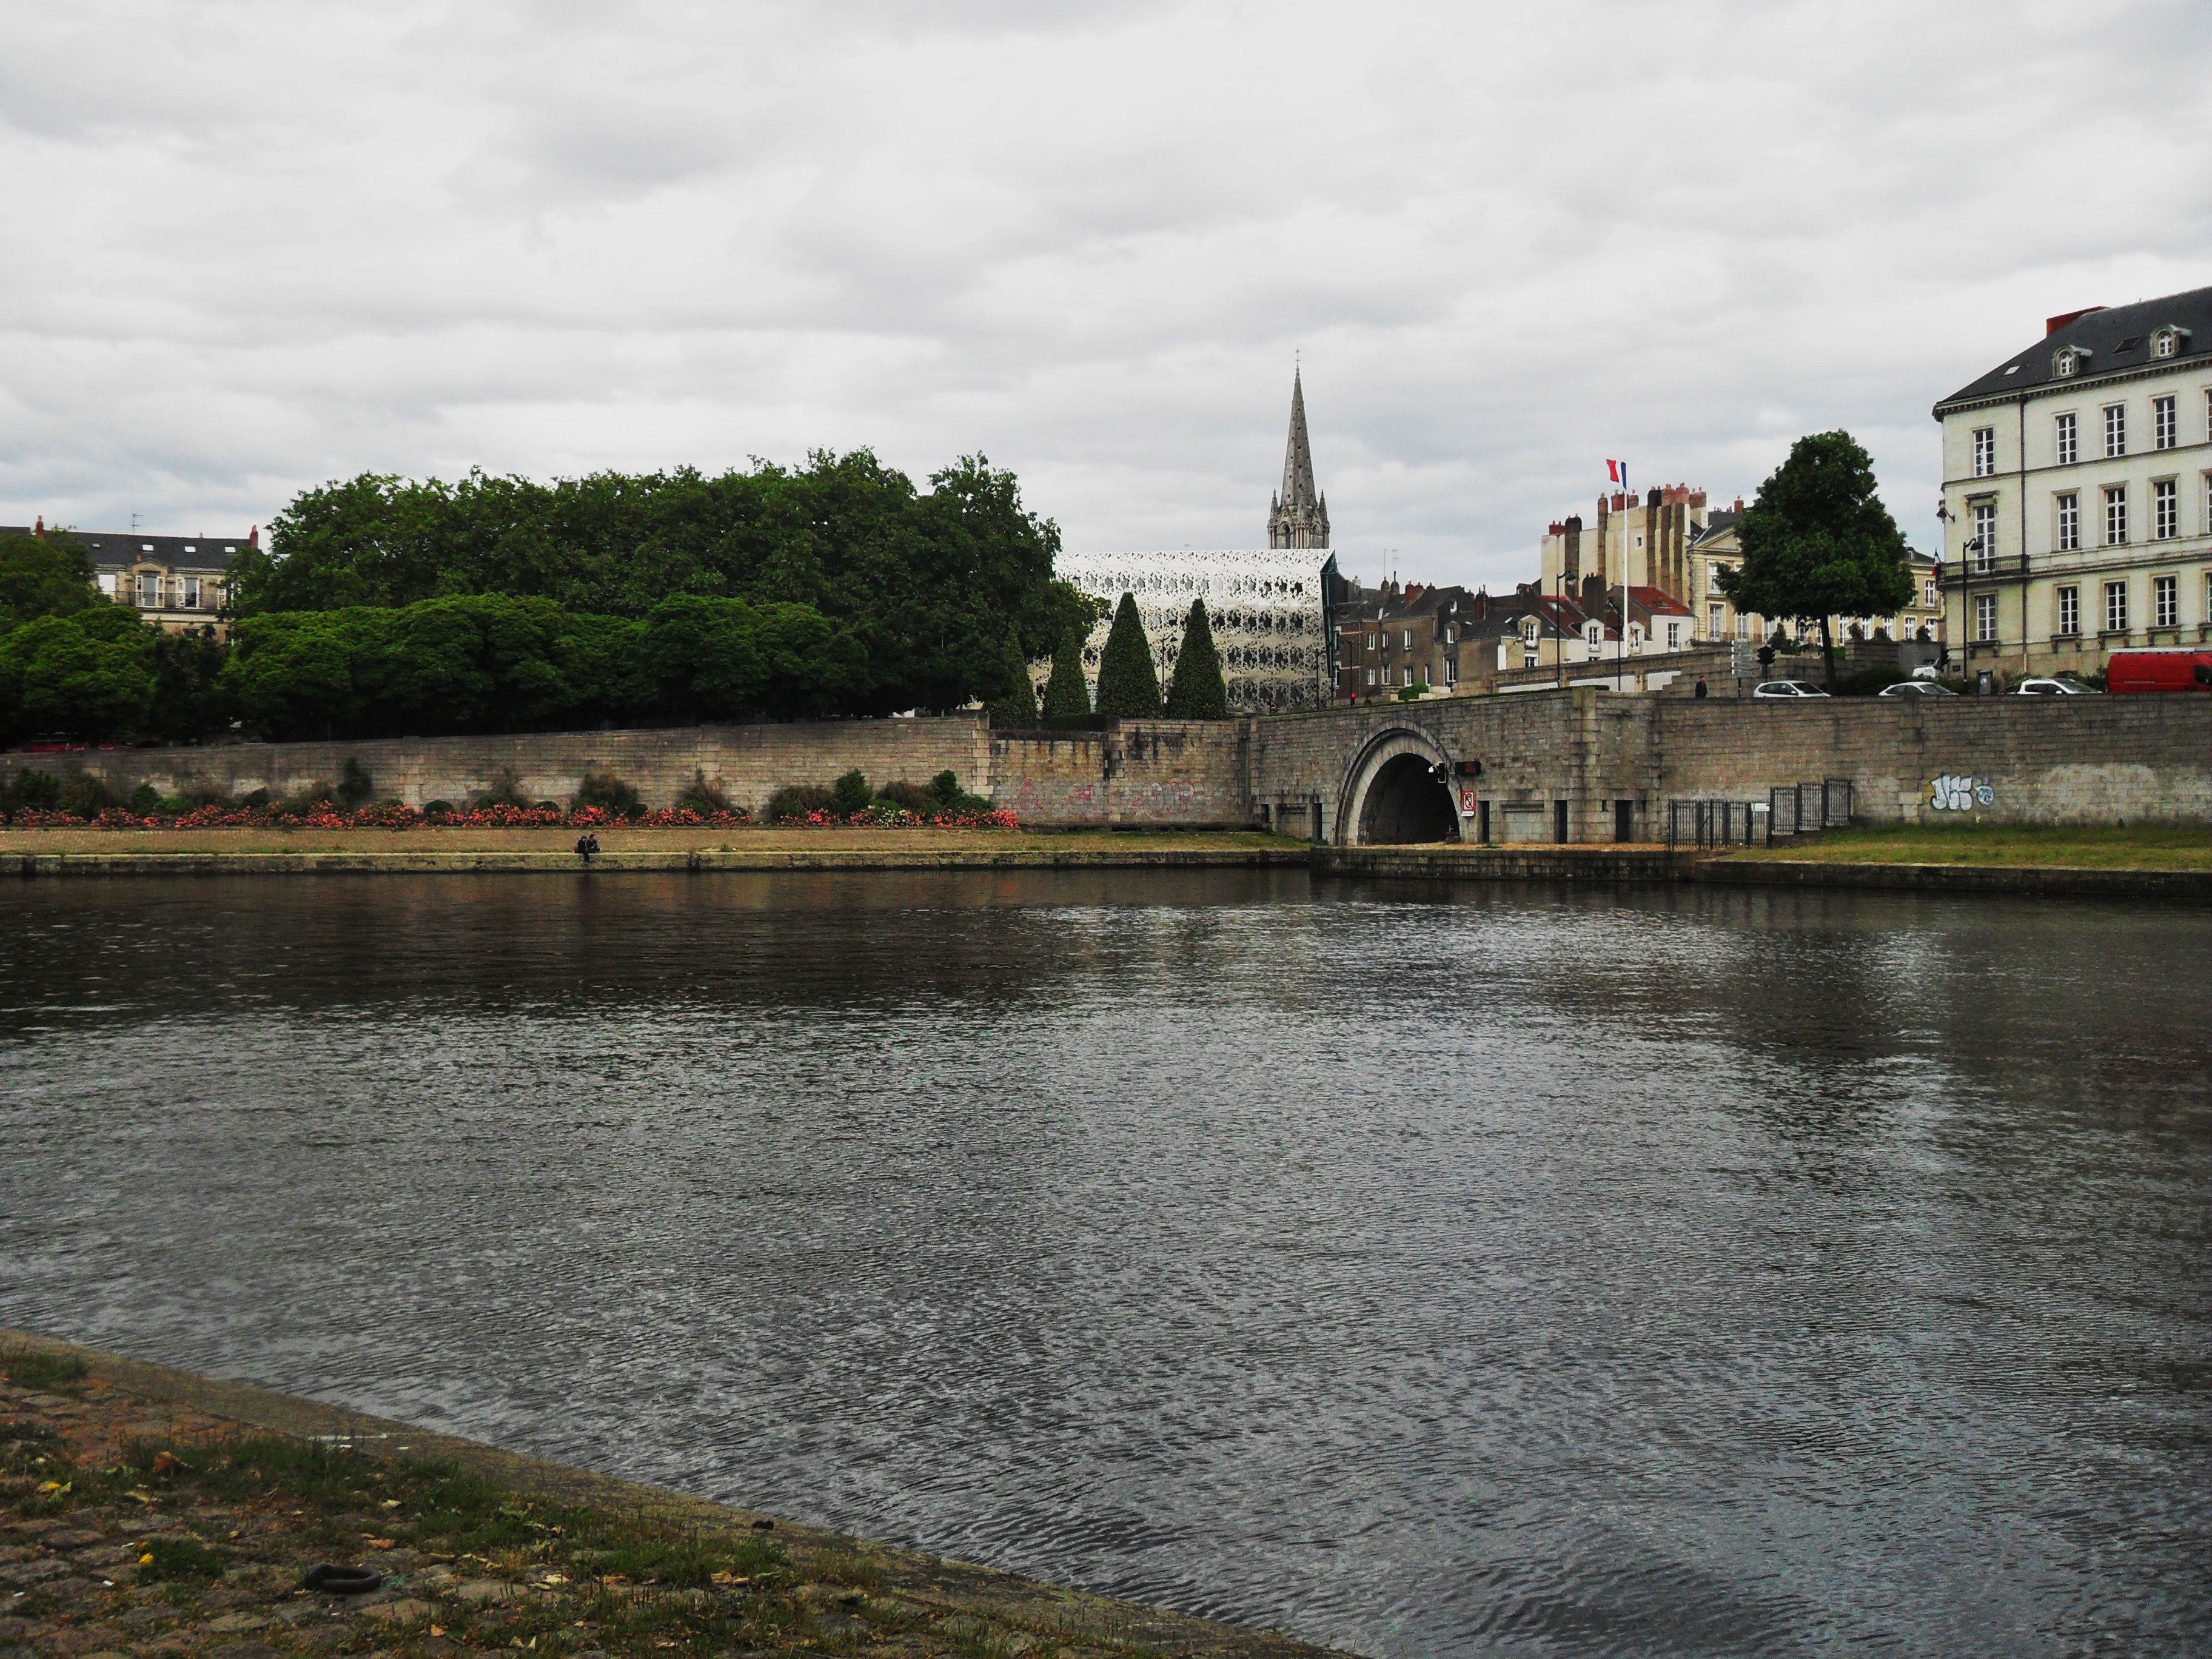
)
(244, 851)
(150, 1511)
(2011, 846)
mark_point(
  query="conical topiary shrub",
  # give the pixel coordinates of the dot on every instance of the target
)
(1015, 703)
(1066, 697)
(1198, 693)
(1128, 689)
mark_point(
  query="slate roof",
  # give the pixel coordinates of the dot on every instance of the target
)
(2104, 333)
(113, 550)
(1715, 524)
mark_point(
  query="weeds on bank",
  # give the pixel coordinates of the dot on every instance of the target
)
(29, 1368)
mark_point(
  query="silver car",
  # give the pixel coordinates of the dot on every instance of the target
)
(1916, 689)
(1787, 689)
(2054, 688)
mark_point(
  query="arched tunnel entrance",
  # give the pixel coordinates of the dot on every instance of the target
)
(1406, 802)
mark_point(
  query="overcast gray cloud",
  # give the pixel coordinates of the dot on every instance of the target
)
(255, 246)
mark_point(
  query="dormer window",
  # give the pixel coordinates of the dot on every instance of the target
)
(2169, 342)
(2067, 360)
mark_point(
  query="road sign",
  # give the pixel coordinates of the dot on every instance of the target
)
(1467, 803)
(1743, 658)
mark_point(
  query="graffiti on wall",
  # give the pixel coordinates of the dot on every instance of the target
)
(1956, 792)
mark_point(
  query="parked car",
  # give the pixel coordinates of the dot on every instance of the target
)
(2054, 688)
(1916, 689)
(1786, 689)
(2173, 668)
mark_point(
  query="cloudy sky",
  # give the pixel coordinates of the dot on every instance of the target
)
(254, 246)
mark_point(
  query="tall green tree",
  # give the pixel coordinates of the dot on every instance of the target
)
(924, 583)
(48, 576)
(1016, 704)
(89, 675)
(1198, 692)
(1066, 694)
(1128, 686)
(1819, 543)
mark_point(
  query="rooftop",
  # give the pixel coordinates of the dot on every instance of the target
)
(2115, 339)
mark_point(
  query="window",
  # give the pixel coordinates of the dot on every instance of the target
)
(2116, 607)
(1985, 615)
(149, 591)
(2116, 515)
(2167, 342)
(2165, 510)
(1984, 543)
(2063, 364)
(2165, 429)
(1451, 670)
(1985, 451)
(1408, 646)
(1370, 644)
(2070, 522)
(1929, 598)
(2116, 430)
(1673, 637)
(1370, 677)
(2069, 441)
(2166, 601)
(2069, 610)
(1528, 659)
(1715, 619)
(191, 592)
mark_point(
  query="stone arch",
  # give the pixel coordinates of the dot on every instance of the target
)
(1392, 794)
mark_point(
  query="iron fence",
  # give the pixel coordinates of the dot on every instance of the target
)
(1702, 824)
(1801, 808)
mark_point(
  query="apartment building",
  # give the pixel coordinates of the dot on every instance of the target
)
(176, 582)
(2077, 491)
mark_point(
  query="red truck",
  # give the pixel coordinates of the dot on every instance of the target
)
(2163, 668)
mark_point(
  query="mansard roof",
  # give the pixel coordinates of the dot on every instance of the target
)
(121, 550)
(2115, 339)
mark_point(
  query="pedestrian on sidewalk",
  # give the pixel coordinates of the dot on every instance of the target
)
(1701, 691)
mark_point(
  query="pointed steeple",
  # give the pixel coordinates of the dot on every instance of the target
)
(1297, 515)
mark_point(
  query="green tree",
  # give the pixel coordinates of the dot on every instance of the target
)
(88, 676)
(1198, 692)
(188, 702)
(851, 794)
(1819, 543)
(1066, 695)
(917, 586)
(48, 576)
(1128, 687)
(1015, 703)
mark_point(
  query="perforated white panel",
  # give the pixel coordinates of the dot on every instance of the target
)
(1264, 607)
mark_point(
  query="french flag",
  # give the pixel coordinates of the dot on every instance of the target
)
(1617, 473)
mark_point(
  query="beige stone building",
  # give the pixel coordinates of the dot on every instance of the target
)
(2077, 491)
(176, 582)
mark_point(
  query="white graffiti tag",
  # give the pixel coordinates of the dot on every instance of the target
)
(1956, 792)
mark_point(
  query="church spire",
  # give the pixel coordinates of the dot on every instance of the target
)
(1298, 515)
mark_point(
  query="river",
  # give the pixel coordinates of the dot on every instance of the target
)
(1516, 1270)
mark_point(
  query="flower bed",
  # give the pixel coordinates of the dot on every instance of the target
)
(325, 814)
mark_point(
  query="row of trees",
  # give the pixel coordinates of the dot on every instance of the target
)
(935, 589)
(84, 668)
(1129, 687)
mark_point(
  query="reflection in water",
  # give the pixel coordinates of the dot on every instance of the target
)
(1512, 1270)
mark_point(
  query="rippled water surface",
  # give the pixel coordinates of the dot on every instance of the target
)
(1515, 1270)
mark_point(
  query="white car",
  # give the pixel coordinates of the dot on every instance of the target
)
(1916, 689)
(1786, 689)
(2054, 688)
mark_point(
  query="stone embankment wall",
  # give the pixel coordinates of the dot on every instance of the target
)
(1139, 773)
(1162, 773)
(1535, 755)
(2016, 760)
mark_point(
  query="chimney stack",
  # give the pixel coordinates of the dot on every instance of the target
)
(39, 530)
(254, 536)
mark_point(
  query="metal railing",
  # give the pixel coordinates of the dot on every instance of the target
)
(1803, 809)
(1703, 823)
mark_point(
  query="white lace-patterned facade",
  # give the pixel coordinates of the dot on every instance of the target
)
(1265, 607)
